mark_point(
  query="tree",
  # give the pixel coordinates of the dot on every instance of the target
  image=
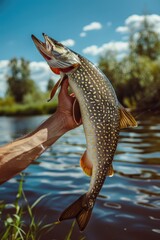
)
(50, 84)
(19, 82)
(136, 77)
(148, 41)
(114, 71)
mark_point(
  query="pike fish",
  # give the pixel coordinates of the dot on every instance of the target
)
(102, 117)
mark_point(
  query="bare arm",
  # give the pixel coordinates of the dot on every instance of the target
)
(16, 156)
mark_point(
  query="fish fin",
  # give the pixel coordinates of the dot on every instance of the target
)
(110, 171)
(83, 218)
(56, 86)
(78, 210)
(86, 164)
(76, 112)
(126, 118)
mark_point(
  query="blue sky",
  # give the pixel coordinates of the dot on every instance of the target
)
(63, 19)
(89, 27)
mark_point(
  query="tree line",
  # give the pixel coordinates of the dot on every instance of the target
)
(135, 77)
(23, 96)
(20, 86)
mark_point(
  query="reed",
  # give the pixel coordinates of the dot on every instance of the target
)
(13, 224)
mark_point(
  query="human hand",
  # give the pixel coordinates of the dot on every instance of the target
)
(66, 104)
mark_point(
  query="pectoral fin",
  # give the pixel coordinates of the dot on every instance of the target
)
(76, 112)
(110, 172)
(86, 164)
(56, 86)
(126, 118)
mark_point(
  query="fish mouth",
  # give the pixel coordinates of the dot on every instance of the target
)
(56, 54)
(45, 47)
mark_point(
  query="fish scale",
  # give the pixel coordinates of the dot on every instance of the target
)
(99, 104)
(102, 118)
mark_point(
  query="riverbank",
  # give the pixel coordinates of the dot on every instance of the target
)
(28, 109)
(44, 108)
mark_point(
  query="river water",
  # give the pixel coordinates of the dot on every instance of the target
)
(128, 206)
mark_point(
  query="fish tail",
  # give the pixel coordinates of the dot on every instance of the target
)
(80, 209)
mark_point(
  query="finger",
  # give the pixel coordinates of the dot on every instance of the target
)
(72, 95)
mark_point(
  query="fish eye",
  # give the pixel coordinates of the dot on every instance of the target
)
(56, 53)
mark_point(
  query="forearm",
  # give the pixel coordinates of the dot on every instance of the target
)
(16, 156)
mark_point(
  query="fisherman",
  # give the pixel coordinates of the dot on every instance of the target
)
(19, 154)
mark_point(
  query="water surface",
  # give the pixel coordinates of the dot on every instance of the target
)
(129, 203)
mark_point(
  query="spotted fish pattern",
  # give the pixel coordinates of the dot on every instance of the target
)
(102, 118)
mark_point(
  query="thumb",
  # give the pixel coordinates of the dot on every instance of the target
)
(64, 88)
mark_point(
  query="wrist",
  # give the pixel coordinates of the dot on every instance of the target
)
(64, 121)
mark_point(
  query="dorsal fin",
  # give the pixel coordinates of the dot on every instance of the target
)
(126, 118)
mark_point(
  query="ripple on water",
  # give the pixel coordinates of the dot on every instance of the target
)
(129, 202)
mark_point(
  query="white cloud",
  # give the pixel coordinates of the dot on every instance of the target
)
(68, 42)
(40, 73)
(91, 50)
(120, 48)
(92, 26)
(83, 34)
(3, 64)
(3, 73)
(122, 29)
(135, 22)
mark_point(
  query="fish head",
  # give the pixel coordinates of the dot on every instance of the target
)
(59, 58)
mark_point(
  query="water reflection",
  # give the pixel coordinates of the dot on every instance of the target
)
(129, 203)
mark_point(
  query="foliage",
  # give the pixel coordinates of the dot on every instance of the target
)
(19, 82)
(136, 77)
(23, 97)
(28, 109)
(14, 225)
(8, 101)
(50, 84)
(148, 41)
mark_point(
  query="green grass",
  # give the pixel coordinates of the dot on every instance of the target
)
(28, 109)
(32, 105)
(13, 225)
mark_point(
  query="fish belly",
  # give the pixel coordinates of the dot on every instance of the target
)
(88, 126)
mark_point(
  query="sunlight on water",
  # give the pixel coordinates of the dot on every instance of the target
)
(129, 202)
